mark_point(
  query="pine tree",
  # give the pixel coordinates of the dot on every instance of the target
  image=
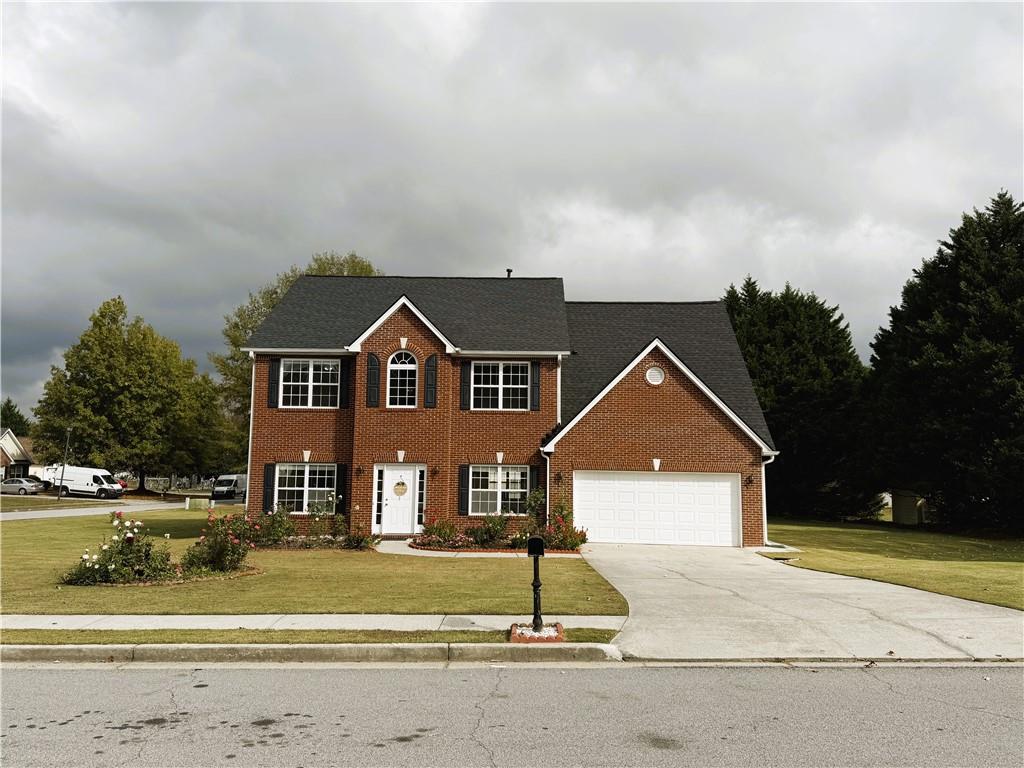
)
(12, 418)
(948, 374)
(807, 376)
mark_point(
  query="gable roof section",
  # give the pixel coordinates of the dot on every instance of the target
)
(607, 337)
(481, 314)
(13, 447)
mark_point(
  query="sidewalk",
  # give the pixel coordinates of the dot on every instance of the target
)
(95, 508)
(401, 622)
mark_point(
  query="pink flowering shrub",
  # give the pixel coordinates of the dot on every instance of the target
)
(223, 545)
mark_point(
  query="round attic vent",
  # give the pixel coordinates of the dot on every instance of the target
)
(655, 375)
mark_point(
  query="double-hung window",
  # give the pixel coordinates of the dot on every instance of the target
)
(299, 485)
(402, 380)
(310, 383)
(497, 488)
(501, 386)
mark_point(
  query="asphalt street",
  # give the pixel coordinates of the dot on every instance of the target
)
(623, 715)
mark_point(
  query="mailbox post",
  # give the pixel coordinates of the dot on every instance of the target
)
(535, 549)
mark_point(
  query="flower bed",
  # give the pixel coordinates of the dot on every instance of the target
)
(504, 550)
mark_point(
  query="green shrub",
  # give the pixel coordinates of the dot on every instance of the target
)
(442, 534)
(129, 556)
(222, 547)
(490, 532)
(560, 533)
(357, 539)
(272, 528)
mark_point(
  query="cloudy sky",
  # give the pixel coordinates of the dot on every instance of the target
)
(182, 155)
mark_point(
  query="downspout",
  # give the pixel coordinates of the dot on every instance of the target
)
(547, 486)
(764, 500)
(252, 400)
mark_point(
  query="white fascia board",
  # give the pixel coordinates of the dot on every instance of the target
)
(657, 344)
(356, 346)
(295, 351)
(498, 353)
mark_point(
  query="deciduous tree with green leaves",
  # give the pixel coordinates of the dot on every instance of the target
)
(12, 418)
(131, 401)
(235, 366)
(807, 376)
(948, 374)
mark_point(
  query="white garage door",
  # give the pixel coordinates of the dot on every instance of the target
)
(658, 507)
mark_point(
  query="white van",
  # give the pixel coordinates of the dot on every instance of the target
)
(230, 487)
(89, 481)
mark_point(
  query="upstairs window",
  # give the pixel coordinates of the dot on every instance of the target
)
(501, 386)
(310, 383)
(402, 380)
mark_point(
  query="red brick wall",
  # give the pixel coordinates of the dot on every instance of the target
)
(280, 435)
(675, 422)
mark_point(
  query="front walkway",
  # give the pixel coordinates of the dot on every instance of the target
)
(400, 622)
(726, 603)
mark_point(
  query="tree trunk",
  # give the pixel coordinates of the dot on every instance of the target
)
(142, 481)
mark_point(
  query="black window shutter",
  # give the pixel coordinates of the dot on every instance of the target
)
(269, 472)
(372, 381)
(464, 385)
(534, 476)
(275, 378)
(430, 382)
(341, 474)
(464, 489)
(534, 386)
(344, 381)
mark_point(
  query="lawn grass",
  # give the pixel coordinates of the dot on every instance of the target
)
(139, 637)
(12, 503)
(984, 569)
(36, 552)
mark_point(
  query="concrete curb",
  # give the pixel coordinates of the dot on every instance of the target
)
(313, 653)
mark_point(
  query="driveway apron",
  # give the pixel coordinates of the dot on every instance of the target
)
(708, 603)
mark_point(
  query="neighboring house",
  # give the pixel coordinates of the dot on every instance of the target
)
(414, 398)
(15, 455)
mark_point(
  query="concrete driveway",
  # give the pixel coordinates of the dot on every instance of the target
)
(724, 603)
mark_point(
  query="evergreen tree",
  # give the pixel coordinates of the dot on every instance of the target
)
(234, 365)
(948, 374)
(12, 418)
(807, 376)
(130, 399)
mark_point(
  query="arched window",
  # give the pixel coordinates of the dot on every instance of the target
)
(402, 380)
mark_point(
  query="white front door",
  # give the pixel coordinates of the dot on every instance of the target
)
(397, 496)
(658, 507)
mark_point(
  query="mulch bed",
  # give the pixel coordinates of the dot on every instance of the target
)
(503, 550)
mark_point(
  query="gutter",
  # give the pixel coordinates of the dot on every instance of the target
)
(252, 399)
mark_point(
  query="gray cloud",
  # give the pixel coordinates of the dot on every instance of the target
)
(181, 155)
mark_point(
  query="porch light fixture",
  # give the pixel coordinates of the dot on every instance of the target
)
(401, 457)
(657, 464)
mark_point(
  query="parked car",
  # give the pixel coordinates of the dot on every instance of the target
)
(21, 486)
(38, 479)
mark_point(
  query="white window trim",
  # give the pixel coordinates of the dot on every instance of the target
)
(404, 366)
(305, 485)
(309, 384)
(473, 386)
(500, 490)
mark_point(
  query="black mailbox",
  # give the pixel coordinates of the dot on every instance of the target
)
(535, 546)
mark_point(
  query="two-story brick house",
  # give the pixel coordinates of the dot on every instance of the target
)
(412, 398)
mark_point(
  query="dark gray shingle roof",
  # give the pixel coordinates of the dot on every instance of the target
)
(474, 313)
(606, 336)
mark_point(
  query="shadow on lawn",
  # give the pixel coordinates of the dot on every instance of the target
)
(894, 542)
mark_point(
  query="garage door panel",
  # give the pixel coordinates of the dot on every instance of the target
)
(657, 507)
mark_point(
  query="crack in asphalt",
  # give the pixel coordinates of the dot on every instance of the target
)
(955, 705)
(480, 706)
